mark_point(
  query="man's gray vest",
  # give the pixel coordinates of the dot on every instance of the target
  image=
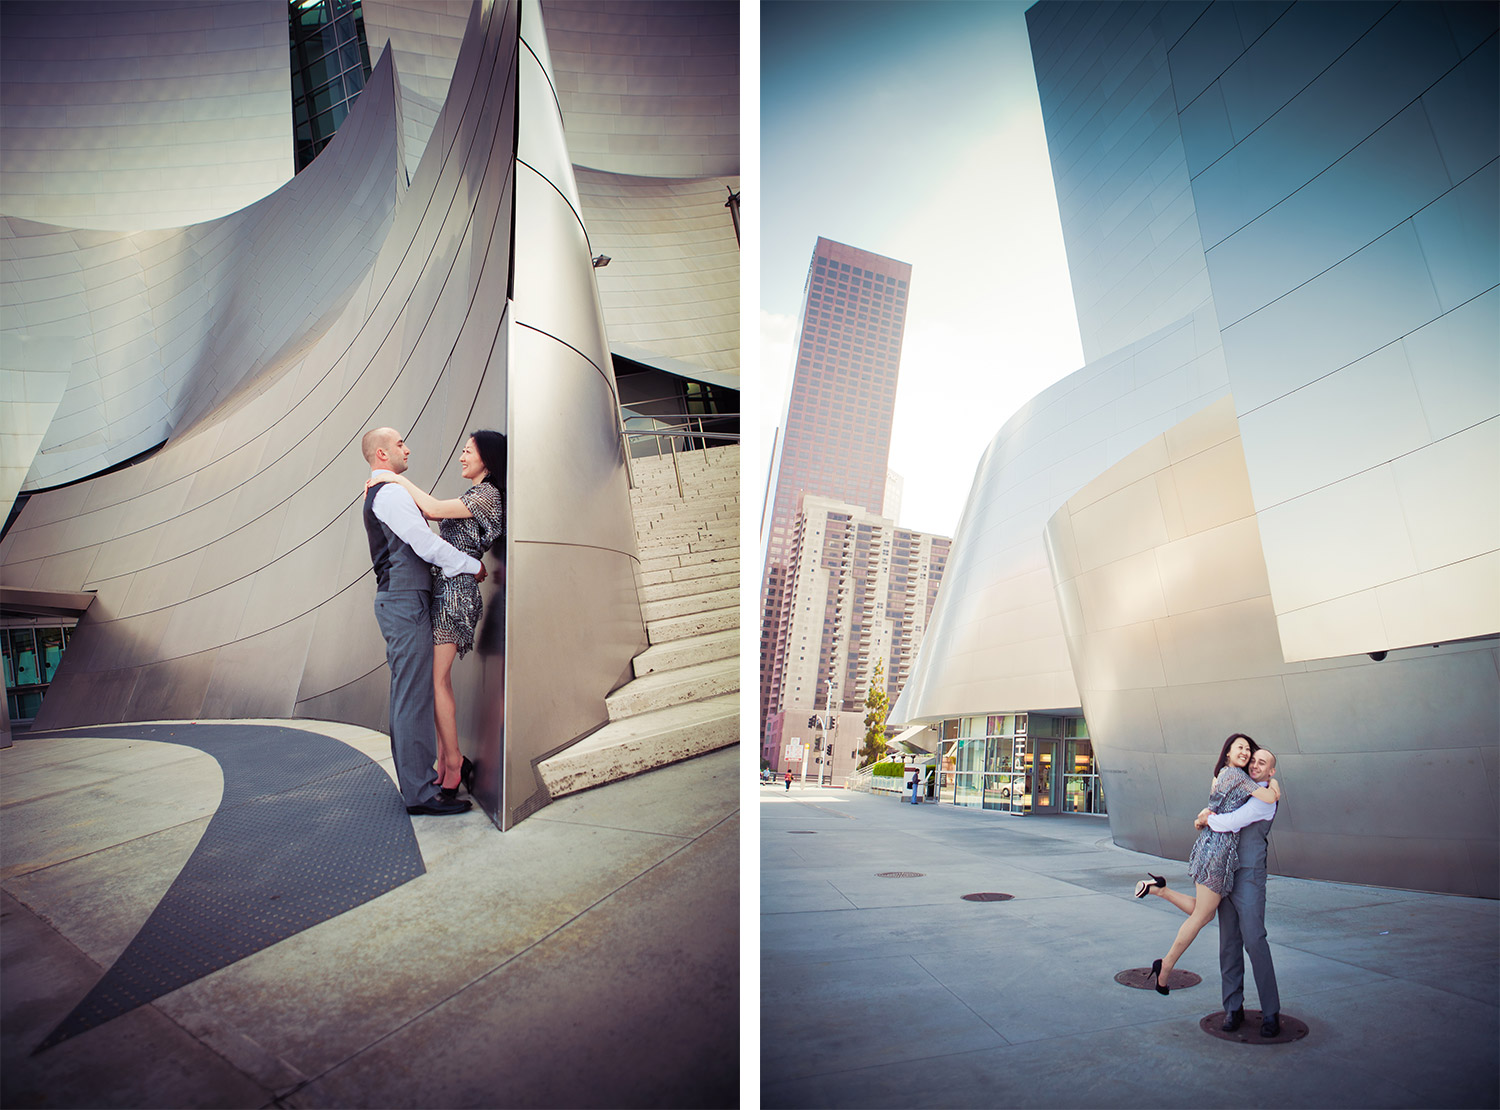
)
(397, 566)
(1253, 844)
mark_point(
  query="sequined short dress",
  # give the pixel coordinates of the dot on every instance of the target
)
(456, 604)
(1215, 855)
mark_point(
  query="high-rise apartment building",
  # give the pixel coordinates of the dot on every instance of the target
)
(835, 434)
(858, 589)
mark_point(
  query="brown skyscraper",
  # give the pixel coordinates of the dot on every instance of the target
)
(835, 436)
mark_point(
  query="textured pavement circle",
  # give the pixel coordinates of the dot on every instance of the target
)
(1140, 978)
(307, 828)
(1292, 1029)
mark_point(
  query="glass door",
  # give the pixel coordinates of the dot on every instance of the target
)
(1042, 776)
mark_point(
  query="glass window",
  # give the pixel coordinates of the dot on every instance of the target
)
(24, 645)
(51, 644)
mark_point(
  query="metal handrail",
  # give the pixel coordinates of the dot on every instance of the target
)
(682, 429)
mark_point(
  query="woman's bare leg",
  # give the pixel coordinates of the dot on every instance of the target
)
(1184, 902)
(445, 711)
(1204, 908)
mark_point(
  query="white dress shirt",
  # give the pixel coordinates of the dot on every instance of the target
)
(1236, 819)
(398, 512)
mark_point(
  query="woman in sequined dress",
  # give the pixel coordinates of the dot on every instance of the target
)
(1215, 855)
(471, 522)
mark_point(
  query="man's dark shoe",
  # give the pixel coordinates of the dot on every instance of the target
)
(1270, 1025)
(1233, 1019)
(437, 807)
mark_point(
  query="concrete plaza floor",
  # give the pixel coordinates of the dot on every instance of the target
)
(588, 957)
(896, 992)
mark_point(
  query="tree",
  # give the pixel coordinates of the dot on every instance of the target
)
(877, 705)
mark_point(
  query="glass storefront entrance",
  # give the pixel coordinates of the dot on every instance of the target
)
(1023, 763)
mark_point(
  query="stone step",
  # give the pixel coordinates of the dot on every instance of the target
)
(693, 522)
(661, 591)
(686, 652)
(696, 570)
(666, 493)
(691, 603)
(697, 511)
(666, 629)
(624, 748)
(660, 689)
(685, 554)
(666, 488)
(688, 604)
(687, 530)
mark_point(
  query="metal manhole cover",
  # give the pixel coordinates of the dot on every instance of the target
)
(898, 874)
(1249, 1030)
(1140, 979)
(801, 832)
(988, 896)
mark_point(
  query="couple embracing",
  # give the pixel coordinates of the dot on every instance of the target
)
(427, 603)
(1228, 866)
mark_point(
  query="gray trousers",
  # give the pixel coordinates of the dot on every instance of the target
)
(1242, 928)
(403, 616)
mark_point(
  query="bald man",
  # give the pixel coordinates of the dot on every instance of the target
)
(402, 550)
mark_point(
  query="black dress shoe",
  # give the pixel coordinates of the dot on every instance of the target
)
(1270, 1025)
(439, 807)
(1233, 1019)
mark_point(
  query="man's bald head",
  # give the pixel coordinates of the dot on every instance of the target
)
(384, 450)
(1262, 765)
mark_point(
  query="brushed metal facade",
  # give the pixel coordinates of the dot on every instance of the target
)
(649, 88)
(1353, 245)
(125, 114)
(1389, 766)
(155, 329)
(648, 92)
(424, 36)
(995, 642)
(671, 292)
(1308, 472)
(231, 567)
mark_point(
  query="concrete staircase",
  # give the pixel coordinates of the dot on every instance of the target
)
(684, 699)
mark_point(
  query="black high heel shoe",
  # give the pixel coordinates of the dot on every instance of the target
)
(1156, 975)
(1144, 888)
(468, 772)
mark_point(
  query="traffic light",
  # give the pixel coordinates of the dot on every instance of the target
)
(812, 722)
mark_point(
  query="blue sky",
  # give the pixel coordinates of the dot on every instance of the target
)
(912, 129)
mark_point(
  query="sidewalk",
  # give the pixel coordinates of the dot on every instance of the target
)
(896, 992)
(588, 957)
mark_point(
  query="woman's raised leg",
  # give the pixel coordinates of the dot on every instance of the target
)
(1184, 902)
(445, 710)
(1204, 906)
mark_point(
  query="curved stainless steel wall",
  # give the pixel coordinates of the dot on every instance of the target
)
(651, 89)
(671, 293)
(1353, 244)
(124, 114)
(574, 621)
(995, 641)
(425, 36)
(648, 92)
(1390, 767)
(231, 568)
(1347, 350)
(160, 327)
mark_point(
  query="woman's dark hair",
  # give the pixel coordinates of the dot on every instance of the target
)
(1224, 751)
(491, 448)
